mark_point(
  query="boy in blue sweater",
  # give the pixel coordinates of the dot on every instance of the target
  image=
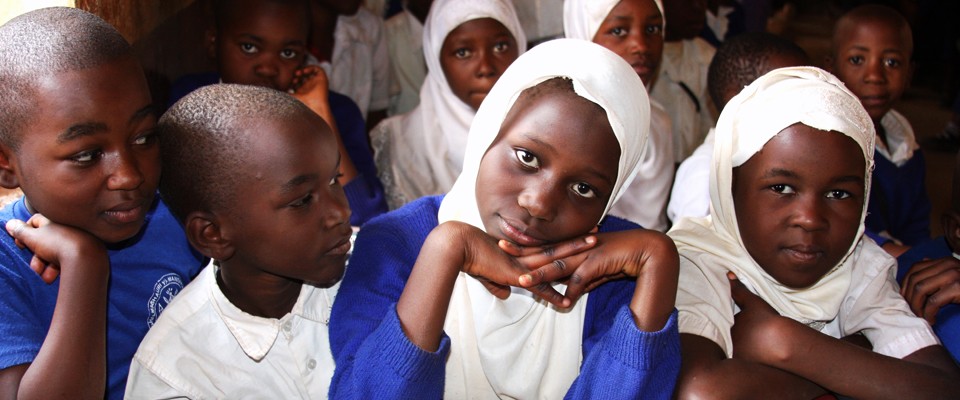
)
(460, 296)
(99, 256)
(264, 43)
(872, 46)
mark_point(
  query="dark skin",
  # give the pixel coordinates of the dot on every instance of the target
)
(474, 55)
(538, 229)
(634, 30)
(294, 227)
(91, 165)
(775, 356)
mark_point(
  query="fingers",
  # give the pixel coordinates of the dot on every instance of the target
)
(547, 292)
(553, 271)
(537, 256)
(931, 285)
(741, 295)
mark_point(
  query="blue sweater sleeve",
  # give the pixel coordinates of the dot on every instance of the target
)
(365, 192)
(363, 338)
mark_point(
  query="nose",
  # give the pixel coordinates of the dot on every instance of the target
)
(267, 66)
(539, 200)
(809, 213)
(486, 67)
(338, 209)
(874, 72)
(637, 43)
(127, 173)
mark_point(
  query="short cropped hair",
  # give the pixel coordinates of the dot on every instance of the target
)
(205, 138)
(43, 42)
(223, 10)
(742, 59)
(878, 12)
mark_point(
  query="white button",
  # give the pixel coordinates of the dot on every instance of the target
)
(311, 364)
(286, 326)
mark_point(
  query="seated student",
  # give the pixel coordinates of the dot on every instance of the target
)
(467, 44)
(681, 84)
(871, 51)
(263, 43)
(929, 274)
(99, 256)
(739, 61)
(276, 224)
(788, 188)
(634, 30)
(523, 215)
(349, 40)
(404, 33)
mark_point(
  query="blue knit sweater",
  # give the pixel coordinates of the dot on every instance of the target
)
(898, 200)
(376, 360)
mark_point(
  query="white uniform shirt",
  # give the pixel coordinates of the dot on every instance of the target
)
(685, 61)
(360, 62)
(405, 45)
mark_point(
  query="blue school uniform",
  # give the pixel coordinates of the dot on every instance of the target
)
(947, 326)
(146, 272)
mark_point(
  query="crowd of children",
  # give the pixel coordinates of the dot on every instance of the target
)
(422, 208)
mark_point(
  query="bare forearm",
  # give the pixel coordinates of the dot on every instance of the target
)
(653, 299)
(72, 360)
(422, 307)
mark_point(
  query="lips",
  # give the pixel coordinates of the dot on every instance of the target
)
(518, 234)
(804, 254)
(341, 248)
(127, 212)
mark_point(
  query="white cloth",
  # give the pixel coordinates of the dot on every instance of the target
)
(523, 347)
(691, 187)
(901, 142)
(204, 347)
(685, 61)
(859, 294)
(405, 45)
(360, 64)
(719, 23)
(420, 153)
(645, 200)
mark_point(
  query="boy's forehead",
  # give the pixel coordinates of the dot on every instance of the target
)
(243, 14)
(855, 27)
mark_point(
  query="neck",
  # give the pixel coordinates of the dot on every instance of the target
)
(263, 295)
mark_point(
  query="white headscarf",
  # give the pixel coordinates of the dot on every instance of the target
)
(582, 18)
(712, 245)
(523, 347)
(425, 147)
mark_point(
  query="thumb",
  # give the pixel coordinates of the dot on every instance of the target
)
(741, 295)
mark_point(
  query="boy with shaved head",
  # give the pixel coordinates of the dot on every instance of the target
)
(99, 256)
(872, 47)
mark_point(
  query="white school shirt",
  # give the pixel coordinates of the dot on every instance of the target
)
(901, 142)
(691, 186)
(404, 34)
(685, 61)
(360, 64)
(204, 347)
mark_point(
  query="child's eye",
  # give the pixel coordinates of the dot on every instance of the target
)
(839, 194)
(248, 48)
(856, 60)
(782, 189)
(288, 54)
(654, 29)
(618, 32)
(527, 158)
(303, 201)
(336, 180)
(145, 139)
(892, 62)
(86, 157)
(462, 53)
(501, 47)
(584, 190)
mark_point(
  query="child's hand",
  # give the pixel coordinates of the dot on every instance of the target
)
(311, 86)
(932, 284)
(486, 259)
(53, 244)
(756, 330)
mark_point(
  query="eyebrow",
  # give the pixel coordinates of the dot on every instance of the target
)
(780, 173)
(299, 180)
(590, 170)
(258, 39)
(89, 128)
(888, 50)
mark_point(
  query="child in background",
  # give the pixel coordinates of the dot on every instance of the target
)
(634, 30)
(739, 61)
(269, 211)
(788, 187)
(467, 44)
(404, 33)
(681, 85)
(929, 274)
(264, 43)
(872, 46)
(523, 215)
(100, 256)
(351, 39)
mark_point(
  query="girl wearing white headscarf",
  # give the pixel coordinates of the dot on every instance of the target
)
(420, 153)
(858, 295)
(521, 346)
(645, 201)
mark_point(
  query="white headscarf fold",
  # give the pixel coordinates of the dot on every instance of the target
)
(582, 18)
(426, 146)
(713, 244)
(523, 347)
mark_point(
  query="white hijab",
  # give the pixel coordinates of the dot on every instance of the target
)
(712, 245)
(582, 18)
(523, 347)
(425, 147)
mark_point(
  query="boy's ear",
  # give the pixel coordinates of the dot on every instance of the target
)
(8, 175)
(951, 229)
(205, 233)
